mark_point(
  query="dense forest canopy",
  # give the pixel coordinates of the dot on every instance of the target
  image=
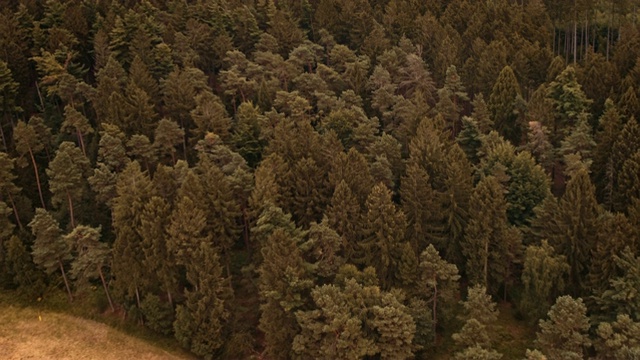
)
(332, 179)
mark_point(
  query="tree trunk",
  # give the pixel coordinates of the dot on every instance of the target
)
(15, 211)
(35, 170)
(106, 289)
(170, 298)
(73, 221)
(66, 282)
(138, 297)
(575, 38)
(81, 141)
(245, 231)
(4, 140)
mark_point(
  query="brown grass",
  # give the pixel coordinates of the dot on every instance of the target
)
(27, 333)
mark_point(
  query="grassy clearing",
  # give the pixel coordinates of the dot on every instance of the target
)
(35, 331)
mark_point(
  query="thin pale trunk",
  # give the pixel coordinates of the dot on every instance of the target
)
(35, 170)
(73, 220)
(170, 298)
(575, 39)
(4, 140)
(138, 297)
(586, 36)
(609, 29)
(66, 282)
(106, 289)
(15, 211)
(40, 96)
(81, 141)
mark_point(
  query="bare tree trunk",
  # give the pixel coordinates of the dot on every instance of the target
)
(170, 298)
(66, 282)
(106, 289)
(486, 263)
(4, 140)
(81, 141)
(72, 218)
(35, 170)
(15, 211)
(575, 35)
(138, 297)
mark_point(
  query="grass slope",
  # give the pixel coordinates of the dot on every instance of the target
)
(30, 333)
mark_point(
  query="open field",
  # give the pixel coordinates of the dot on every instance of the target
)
(28, 333)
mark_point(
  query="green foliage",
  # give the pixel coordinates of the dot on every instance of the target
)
(564, 335)
(158, 314)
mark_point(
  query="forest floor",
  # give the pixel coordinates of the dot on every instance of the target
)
(35, 332)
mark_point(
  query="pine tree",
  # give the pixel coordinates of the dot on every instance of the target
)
(480, 314)
(564, 335)
(283, 284)
(451, 100)
(133, 189)
(384, 232)
(418, 204)
(570, 225)
(67, 178)
(344, 215)
(543, 277)
(246, 133)
(26, 142)
(503, 104)
(210, 115)
(619, 339)
(624, 147)
(8, 97)
(610, 125)
(620, 297)
(438, 282)
(569, 103)
(167, 136)
(201, 321)
(76, 122)
(157, 257)
(8, 189)
(491, 246)
(50, 250)
(92, 256)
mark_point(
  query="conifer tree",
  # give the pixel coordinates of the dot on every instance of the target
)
(209, 115)
(491, 245)
(133, 189)
(246, 133)
(570, 225)
(438, 282)
(284, 285)
(503, 104)
(76, 122)
(28, 142)
(50, 250)
(474, 338)
(418, 204)
(564, 335)
(619, 339)
(543, 278)
(67, 178)
(620, 297)
(157, 258)
(167, 136)
(344, 215)
(609, 128)
(384, 233)
(8, 189)
(569, 103)
(201, 322)
(92, 256)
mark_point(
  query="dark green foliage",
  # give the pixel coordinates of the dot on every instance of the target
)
(158, 314)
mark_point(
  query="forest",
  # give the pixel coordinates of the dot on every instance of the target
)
(329, 179)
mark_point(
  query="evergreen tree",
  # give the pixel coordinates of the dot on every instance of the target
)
(438, 282)
(564, 335)
(50, 250)
(344, 215)
(133, 189)
(8, 189)
(92, 256)
(569, 103)
(167, 136)
(503, 104)
(570, 225)
(480, 314)
(76, 122)
(543, 278)
(283, 285)
(384, 233)
(491, 246)
(610, 125)
(27, 141)
(67, 178)
(620, 297)
(619, 339)
(201, 321)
